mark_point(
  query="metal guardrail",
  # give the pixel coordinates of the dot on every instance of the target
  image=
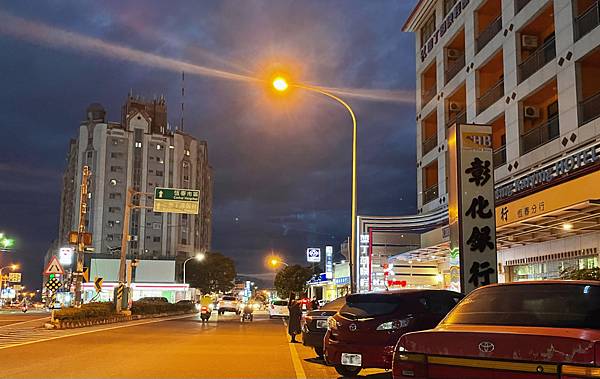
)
(455, 67)
(540, 135)
(499, 156)
(537, 59)
(520, 4)
(490, 32)
(490, 96)
(460, 118)
(587, 21)
(589, 109)
(428, 95)
(429, 144)
(430, 194)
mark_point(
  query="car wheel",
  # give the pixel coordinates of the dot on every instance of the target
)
(319, 351)
(347, 371)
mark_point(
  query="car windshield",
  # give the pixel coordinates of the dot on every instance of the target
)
(280, 302)
(370, 305)
(334, 305)
(545, 305)
(228, 298)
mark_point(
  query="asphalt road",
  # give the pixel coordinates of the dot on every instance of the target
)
(176, 347)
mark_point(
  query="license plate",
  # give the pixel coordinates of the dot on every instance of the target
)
(351, 359)
(321, 324)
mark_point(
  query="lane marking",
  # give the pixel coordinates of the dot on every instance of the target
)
(25, 322)
(96, 331)
(296, 362)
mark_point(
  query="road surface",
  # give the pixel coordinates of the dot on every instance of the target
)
(174, 347)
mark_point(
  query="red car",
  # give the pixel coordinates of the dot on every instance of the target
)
(364, 332)
(545, 329)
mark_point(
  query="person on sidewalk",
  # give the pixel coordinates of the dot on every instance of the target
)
(295, 316)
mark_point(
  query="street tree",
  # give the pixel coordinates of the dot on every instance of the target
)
(213, 274)
(580, 273)
(292, 279)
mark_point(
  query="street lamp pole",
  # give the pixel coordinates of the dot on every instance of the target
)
(280, 84)
(198, 257)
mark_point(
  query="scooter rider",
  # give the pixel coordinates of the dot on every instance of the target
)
(247, 312)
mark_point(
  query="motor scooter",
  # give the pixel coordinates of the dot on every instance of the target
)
(205, 313)
(247, 313)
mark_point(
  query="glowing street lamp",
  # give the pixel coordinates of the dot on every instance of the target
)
(6, 243)
(199, 257)
(276, 261)
(281, 85)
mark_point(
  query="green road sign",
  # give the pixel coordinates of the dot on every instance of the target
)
(176, 200)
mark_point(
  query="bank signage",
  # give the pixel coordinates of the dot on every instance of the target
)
(329, 262)
(471, 209)
(547, 173)
(364, 263)
(443, 28)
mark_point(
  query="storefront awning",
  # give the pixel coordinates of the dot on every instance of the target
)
(433, 253)
(577, 219)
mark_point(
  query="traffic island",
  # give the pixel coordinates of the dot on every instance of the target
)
(100, 313)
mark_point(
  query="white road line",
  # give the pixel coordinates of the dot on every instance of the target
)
(24, 322)
(95, 331)
(300, 374)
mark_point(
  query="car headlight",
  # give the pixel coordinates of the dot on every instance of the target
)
(395, 324)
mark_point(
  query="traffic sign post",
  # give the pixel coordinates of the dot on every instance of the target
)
(98, 284)
(175, 200)
(54, 267)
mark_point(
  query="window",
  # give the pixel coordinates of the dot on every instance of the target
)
(158, 147)
(116, 169)
(113, 182)
(159, 173)
(110, 224)
(115, 141)
(448, 5)
(428, 29)
(187, 152)
(109, 237)
(114, 209)
(156, 225)
(138, 144)
(90, 154)
(155, 239)
(116, 155)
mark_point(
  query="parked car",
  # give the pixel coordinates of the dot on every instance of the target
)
(314, 324)
(279, 308)
(364, 333)
(154, 299)
(228, 304)
(545, 329)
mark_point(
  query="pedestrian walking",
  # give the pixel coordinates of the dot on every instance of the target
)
(295, 316)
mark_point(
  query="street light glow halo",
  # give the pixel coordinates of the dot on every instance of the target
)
(280, 84)
(200, 256)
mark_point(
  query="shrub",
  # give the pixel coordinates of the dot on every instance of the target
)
(152, 307)
(88, 311)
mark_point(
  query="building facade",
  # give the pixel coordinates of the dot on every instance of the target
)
(530, 69)
(139, 152)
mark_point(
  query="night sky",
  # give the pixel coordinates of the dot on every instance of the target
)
(281, 165)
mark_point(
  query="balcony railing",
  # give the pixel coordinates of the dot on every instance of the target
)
(520, 4)
(587, 21)
(540, 135)
(537, 59)
(454, 67)
(490, 96)
(490, 32)
(460, 118)
(589, 109)
(428, 95)
(499, 156)
(428, 144)
(430, 194)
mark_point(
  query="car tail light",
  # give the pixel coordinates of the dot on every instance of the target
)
(332, 324)
(568, 371)
(395, 324)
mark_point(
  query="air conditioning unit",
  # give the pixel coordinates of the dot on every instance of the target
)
(529, 42)
(454, 107)
(531, 112)
(453, 53)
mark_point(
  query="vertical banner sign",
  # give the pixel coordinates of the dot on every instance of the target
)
(329, 262)
(363, 263)
(471, 209)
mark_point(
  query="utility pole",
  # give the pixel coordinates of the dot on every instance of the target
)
(81, 233)
(125, 239)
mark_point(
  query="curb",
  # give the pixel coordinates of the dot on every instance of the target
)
(111, 320)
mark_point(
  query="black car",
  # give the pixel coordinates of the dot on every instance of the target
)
(314, 324)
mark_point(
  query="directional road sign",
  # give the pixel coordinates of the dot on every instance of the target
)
(175, 200)
(54, 267)
(98, 283)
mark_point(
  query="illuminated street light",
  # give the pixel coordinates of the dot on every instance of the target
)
(199, 257)
(6, 242)
(567, 226)
(276, 261)
(281, 84)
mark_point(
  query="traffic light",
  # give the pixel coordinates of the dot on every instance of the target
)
(51, 276)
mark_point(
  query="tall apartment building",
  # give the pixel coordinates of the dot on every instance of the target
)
(531, 70)
(142, 153)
